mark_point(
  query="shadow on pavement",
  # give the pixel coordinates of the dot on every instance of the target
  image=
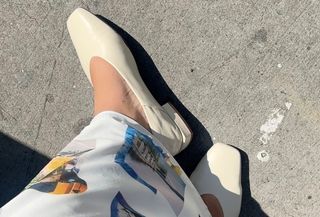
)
(190, 157)
(18, 165)
(249, 206)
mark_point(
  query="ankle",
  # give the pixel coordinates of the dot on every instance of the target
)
(111, 92)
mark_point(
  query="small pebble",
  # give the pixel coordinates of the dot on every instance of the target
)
(279, 65)
(288, 105)
(263, 156)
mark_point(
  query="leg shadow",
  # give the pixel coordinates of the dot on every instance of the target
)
(201, 142)
(18, 165)
(249, 206)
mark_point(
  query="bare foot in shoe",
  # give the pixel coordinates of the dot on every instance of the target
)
(111, 92)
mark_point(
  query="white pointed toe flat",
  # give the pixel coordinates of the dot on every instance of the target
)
(92, 37)
(219, 173)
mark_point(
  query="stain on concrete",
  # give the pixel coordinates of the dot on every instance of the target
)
(23, 78)
(271, 125)
(50, 98)
(261, 36)
(273, 122)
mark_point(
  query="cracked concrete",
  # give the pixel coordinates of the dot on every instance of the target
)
(230, 63)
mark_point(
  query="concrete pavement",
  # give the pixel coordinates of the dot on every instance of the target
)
(246, 73)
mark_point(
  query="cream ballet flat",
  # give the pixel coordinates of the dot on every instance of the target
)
(92, 37)
(219, 173)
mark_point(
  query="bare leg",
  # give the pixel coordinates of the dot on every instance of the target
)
(111, 93)
(213, 205)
